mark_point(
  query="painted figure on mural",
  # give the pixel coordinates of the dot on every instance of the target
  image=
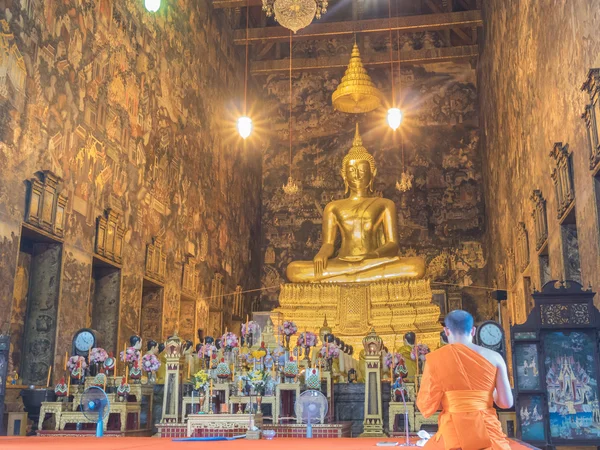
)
(368, 229)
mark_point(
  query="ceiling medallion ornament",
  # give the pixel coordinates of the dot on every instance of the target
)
(356, 93)
(295, 14)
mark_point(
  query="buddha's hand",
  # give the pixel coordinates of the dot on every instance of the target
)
(320, 261)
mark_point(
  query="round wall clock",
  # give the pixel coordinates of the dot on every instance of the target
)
(491, 335)
(83, 341)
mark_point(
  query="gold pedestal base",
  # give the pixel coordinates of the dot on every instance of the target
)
(391, 307)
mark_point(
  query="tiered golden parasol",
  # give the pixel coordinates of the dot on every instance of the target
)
(356, 93)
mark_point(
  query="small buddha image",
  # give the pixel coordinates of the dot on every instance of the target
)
(367, 225)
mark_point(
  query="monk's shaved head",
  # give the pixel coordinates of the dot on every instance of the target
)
(459, 322)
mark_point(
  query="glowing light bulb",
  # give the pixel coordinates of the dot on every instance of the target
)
(152, 5)
(394, 118)
(244, 126)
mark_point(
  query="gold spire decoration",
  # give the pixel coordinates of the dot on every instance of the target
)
(356, 93)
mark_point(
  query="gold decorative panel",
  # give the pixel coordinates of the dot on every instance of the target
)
(45, 205)
(392, 308)
(591, 115)
(190, 278)
(522, 246)
(238, 303)
(540, 220)
(562, 176)
(156, 260)
(109, 236)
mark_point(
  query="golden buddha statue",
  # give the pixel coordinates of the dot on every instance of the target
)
(366, 283)
(368, 229)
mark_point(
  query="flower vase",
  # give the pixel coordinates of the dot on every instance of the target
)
(249, 339)
(328, 364)
(201, 401)
(287, 342)
(93, 369)
(151, 377)
(258, 402)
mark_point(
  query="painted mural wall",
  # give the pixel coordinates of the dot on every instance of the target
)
(132, 111)
(535, 58)
(440, 218)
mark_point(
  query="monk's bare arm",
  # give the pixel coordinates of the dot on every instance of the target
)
(329, 233)
(503, 396)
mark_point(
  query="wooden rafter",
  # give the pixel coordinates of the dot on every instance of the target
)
(423, 56)
(407, 24)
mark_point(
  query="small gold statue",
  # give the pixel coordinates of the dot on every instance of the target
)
(367, 224)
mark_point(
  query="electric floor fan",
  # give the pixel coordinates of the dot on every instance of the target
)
(95, 407)
(311, 407)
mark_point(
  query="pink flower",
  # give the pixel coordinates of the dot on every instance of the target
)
(252, 328)
(288, 328)
(98, 355)
(132, 355)
(307, 339)
(75, 362)
(150, 363)
(229, 340)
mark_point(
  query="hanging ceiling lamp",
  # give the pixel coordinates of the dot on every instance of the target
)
(152, 5)
(295, 14)
(244, 123)
(356, 93)
(291, 187)
(405, 182)
(394, 115)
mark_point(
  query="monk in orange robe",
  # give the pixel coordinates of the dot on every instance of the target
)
(464, 380)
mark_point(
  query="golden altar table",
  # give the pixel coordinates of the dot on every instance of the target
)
(231, 423)
(352, 309)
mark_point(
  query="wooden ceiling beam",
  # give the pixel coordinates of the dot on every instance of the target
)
(423, 56)
(221, 4)
(405, 24)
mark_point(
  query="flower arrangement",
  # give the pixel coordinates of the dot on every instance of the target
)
(307, 339)
(259, 379)
(131, 355)
(76, 362)
(251, 327)
(229, 341)
(207, 350)
(419, 350)
(329, 351)
(288, 328)
(150, 363)
(392, 360)
(97, 355)
(260, 353)
(201, 380)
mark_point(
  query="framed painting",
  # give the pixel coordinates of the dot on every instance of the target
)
(525, 336)
(439, 298)
(572, 385)
(531, 418)
(527, 367)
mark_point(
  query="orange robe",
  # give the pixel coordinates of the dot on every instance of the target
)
(461, 383)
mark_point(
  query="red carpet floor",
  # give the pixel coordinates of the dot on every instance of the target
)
(92, 443)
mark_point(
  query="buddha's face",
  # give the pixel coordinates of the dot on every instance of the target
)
(358, 174)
